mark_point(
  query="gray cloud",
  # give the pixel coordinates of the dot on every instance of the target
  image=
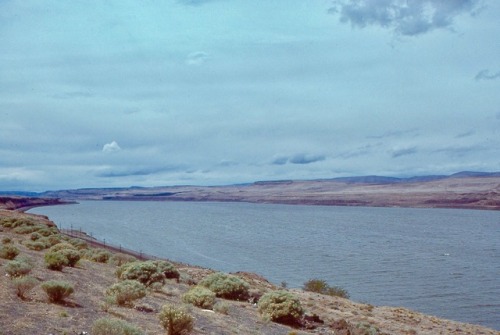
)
(298, 159)
(466, 134)
(486, 75)
(410, 18)
(403, 152)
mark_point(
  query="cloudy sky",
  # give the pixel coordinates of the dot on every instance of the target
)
(211, 92)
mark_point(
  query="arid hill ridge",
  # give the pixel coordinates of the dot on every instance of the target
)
(475, 190)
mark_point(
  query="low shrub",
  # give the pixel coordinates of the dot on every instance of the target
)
(50, 241)
(35, 236)
(78, 243)
(226, 286)
(35, 245)
(221, 307)
(24, 285)
(176, 321)
(6, 240)
(280, 306)
(48, 231)
(67, 250)
(125, 292)
(18, 268)
(168, 269)
(62, 246)
(27, 229)
(56, 290)
(55, 260)
(200, 296)
(97, 255)
(8, 251)
(106, 326)
(322, 287)
(147, 273)
(120, 259)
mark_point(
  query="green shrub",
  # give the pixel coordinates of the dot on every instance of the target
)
(175, 321)
(18, 268)
(55, 260)
(8, 251)
(97, 255)
(107, 326)
(62, 246)
(6, 240)
(125, 292)
(35, 236)
(280, 306)
(221, 307)
(147, 273)
(56, 290)
(27, 229)
(200, 296)
(35, 245)
(226, 286)
(67, 250)
(168, 269)
(120, 259)
(24, 285)
(78, 243)
(52, 240)
(322, 287)
(46, 232)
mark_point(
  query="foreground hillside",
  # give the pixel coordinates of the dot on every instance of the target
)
(95, 272)
(463, 190)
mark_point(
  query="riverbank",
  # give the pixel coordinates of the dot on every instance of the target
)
(466, 191)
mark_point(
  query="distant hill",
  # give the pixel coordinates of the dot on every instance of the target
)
(478, 190)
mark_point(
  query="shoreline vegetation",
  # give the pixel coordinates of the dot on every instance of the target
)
(92, 276)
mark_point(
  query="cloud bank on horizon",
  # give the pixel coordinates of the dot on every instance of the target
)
(207, 92)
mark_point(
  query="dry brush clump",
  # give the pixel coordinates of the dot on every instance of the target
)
(8, 251)
(24, 285)
(107, 326)
(322, 287)
(282, 307)
(226, 286)
(126, 292)
(176, 321)
(57, 290)
(200, 296)
(148, 273)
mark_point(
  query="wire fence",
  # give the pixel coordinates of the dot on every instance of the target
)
(96, 243)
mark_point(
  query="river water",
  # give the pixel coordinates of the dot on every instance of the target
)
(444, 262)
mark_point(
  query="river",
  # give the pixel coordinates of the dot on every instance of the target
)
(444, 262)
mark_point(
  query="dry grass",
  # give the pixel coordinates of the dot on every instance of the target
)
(36, 315)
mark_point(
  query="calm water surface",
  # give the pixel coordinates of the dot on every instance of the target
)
(437, 261)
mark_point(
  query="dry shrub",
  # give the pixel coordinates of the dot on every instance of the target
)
(226, 286)
(280, 306)
(176, 321)
(200, 297)
(125, 292)
(57, 290)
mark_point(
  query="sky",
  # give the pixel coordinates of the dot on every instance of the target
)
(125, 93)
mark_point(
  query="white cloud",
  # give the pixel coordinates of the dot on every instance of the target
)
(111, 147)
(197, 58)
